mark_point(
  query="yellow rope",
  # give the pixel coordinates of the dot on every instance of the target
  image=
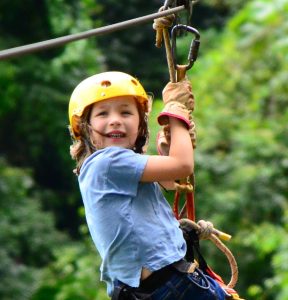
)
(161, 26)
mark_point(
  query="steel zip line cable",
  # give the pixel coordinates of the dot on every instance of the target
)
(27, 49)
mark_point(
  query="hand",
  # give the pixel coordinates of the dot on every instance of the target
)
(179, 102)
(180, 92)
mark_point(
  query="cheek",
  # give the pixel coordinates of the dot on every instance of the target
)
(137, 120)
(97, 124)
(96, 128)
(136, 124)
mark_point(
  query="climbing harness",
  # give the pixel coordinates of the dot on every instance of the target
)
(193, 232)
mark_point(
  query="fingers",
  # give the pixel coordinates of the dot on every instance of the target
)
(178, 91)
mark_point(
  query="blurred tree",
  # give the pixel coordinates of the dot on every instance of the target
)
(74, 275)
(35, 92)
(27, 234)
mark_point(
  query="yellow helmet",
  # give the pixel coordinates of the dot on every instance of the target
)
(100, 87)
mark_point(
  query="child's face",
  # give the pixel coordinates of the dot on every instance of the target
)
(115, 122)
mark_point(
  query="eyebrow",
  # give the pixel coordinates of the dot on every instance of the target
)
(101, 106)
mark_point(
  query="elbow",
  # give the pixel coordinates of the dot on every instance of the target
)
(187, 168)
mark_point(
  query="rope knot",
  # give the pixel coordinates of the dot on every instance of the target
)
(160, 24)
(184, 187)
(206, 229)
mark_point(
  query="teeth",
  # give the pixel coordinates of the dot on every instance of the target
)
(116, 135)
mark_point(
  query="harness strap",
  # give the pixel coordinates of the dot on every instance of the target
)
(153, 282)
(156, 279)
(121, 292)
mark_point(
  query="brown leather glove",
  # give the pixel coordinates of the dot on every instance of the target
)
(179, 102)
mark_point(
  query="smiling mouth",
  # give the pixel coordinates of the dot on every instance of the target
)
(115, 135)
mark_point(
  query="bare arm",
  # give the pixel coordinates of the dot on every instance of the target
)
(179, 164)
(168, 185)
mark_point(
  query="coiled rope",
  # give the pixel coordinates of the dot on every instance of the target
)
(206, 230)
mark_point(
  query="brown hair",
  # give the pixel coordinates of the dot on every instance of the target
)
(83, 147)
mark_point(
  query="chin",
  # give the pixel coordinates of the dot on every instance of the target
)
(118, 145)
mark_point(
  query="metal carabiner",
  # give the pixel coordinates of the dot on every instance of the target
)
(194, 47)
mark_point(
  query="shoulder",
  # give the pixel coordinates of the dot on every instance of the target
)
(104, 154)
(123, 156)
(115, 156)
(113, 168)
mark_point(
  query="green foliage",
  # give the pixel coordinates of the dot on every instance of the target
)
(225, 5)
(27, 234)
(74, 275)
(278, 284)
(7, 75)
(35, 98)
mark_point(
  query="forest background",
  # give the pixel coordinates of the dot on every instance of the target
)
(240, 85)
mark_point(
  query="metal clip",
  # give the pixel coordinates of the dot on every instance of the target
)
(194, 47)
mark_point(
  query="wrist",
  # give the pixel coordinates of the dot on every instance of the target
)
(174, 110)
(176, 121)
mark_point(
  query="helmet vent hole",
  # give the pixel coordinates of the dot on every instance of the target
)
(105, 83)
(134, 82)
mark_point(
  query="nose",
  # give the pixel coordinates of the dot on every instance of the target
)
(115, 119)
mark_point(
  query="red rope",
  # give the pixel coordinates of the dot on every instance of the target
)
(190, 206)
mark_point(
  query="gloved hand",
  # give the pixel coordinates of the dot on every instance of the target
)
(179, 102)
(164, 138)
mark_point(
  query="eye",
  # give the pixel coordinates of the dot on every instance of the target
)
(101, 113)
(126, 112)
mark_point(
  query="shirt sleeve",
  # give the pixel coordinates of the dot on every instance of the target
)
(125, 171)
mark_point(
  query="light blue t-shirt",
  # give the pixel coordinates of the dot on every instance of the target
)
(131, 223)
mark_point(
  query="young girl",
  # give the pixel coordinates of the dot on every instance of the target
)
(131, 223)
